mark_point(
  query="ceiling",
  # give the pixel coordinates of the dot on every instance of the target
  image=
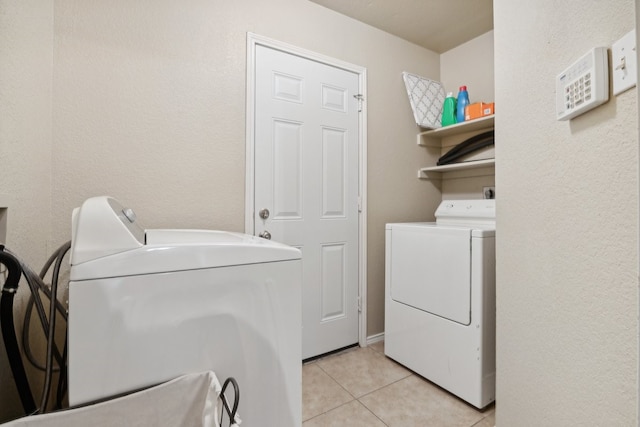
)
(437, 25)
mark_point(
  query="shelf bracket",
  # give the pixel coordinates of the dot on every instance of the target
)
(431, 176)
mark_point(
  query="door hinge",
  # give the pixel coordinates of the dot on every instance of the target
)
(360, 99)
(359, 305)
(359, 204)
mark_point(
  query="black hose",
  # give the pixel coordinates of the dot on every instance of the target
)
(62, 376)
(36, 299)
(52, 324)
(37, 285)
(8, 330)
(52, 258)
(26, 344)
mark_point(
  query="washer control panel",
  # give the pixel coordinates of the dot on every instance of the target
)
(481, 212)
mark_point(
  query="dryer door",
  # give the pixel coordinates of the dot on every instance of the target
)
(431, 270)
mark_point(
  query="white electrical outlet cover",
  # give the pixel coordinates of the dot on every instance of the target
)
(624, 63)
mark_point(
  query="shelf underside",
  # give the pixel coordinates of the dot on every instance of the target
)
(435, 172)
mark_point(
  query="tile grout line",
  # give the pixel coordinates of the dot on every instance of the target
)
(373, 391)
(409, 374)
(326, 412)
(341, 386)
(350, 394)
(384, 386)
(337, 382)
(370, 411)
(359, 398)
(346, 403)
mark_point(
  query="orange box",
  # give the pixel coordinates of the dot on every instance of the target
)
(478, 109)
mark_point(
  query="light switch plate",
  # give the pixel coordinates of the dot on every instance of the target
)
(624, 63)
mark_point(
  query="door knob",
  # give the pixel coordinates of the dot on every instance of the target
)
(265, 235)
(264, 213)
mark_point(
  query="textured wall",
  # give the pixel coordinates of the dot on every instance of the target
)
(149, 101)
(470, 64)
(145, 101)
(26, 43)
(567, 238)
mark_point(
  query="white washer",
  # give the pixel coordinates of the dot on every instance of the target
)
(440, 298)
(146, 306)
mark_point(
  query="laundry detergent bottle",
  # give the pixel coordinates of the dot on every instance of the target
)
(449, 110)
(463, 101)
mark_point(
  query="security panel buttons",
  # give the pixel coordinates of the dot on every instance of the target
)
(584, 85)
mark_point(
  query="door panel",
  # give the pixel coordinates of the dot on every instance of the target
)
(333, 282)
(334, 98)
(431, 270)
(334, 174)
(287, 170)
(306, 174)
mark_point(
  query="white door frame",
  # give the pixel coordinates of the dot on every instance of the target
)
(254, 40)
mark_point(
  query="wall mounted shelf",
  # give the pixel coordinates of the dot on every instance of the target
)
(487, 122)
(435, 172)
(433, 138)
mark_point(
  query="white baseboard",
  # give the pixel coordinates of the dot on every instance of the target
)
(372, 339)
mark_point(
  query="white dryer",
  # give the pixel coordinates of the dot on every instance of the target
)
(440, 298)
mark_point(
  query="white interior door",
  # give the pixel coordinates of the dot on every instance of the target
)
(306, 178)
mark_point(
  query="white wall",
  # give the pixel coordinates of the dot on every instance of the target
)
(567, 237)
(145, 101)
(470, 64)
(26, 51)
(149, 101)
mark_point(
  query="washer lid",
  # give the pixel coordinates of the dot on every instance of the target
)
(179, 250)
(108, 242)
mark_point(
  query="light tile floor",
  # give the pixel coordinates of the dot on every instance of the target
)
(362, 387)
